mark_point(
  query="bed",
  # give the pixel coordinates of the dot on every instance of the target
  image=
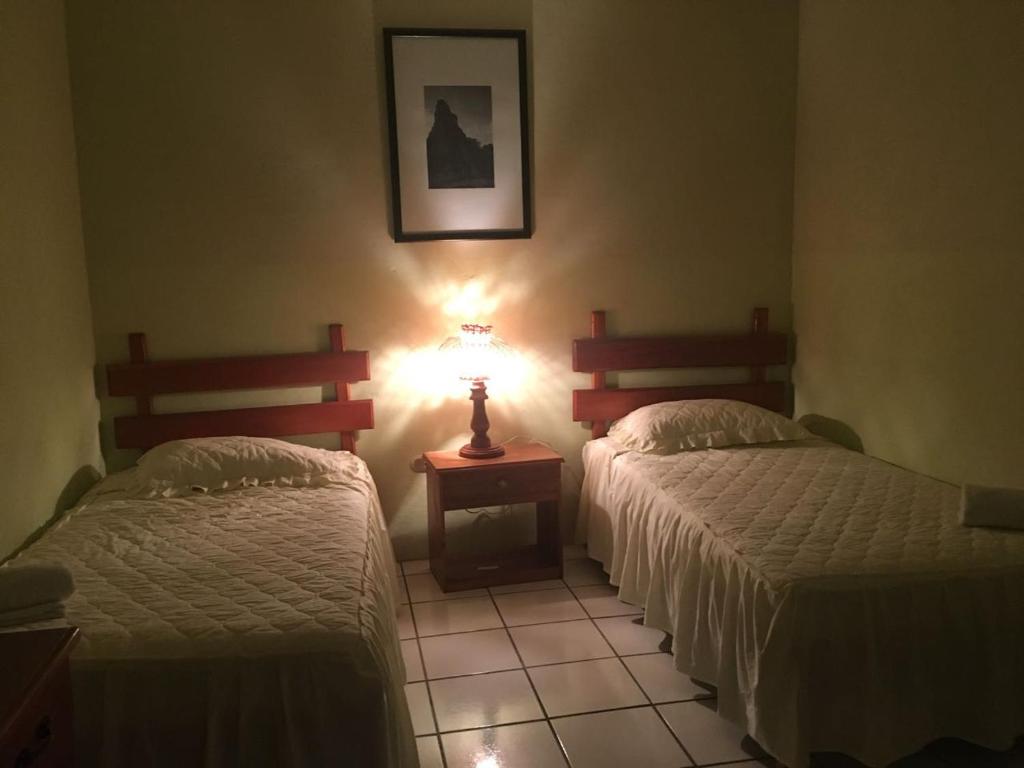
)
(250, 625)
(834, 599)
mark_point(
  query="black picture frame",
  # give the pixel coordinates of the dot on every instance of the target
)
(500, 205)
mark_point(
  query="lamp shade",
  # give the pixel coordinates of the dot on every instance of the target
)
(475, 354)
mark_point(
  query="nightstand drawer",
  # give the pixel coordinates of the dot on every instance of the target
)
(486, 487)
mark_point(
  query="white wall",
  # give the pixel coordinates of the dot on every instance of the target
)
(908, 267)
(234, 172)
(49, 439)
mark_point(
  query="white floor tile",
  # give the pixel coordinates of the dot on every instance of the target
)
(403, 592)
(584, 572)
(479, 700)
(423, 587)
(633, 737)
(409, 567)
(599, 601)
(585, 686)
(468, 654)
(527, 586)
(573, 552)
(628, 638)
(527, 745)
(660, 679)
(405, 626)
(706, 736)
(540, 606)
(445, 616)
(413, 664)
(560, 641)
(429, 751)
(419, 708)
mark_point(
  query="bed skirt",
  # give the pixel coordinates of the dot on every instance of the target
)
(875, 668)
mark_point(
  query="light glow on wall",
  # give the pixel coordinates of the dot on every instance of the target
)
(469, 302)
(423, 377)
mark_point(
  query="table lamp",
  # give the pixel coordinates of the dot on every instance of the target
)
(475, 355)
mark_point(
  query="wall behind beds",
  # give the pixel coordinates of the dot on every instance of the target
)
(909, 240)
(233, 170)
(49, 445)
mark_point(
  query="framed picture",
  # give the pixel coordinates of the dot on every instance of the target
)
(458, 133)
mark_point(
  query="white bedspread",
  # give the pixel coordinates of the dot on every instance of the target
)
(833, 598)
(252, 627)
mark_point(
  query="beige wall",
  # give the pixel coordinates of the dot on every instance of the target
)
(233, 170)
(48, 413)
(909, 235)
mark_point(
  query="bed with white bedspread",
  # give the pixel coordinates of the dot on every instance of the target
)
(834, 599)
(251, 626)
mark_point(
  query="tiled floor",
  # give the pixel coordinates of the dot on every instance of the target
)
(553, 673)
(558, 673)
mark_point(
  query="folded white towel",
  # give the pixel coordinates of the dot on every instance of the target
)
(992, 507)
(42, 612)
(25, 586)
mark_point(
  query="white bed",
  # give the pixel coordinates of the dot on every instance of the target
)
(834, 599)
(246, 627)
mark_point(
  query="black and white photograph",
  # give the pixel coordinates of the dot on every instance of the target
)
(458, 134)
(460, 148)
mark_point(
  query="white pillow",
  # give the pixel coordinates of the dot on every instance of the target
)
(683, 425)
(200, 465)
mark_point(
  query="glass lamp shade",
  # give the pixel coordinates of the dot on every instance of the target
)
(475, 354)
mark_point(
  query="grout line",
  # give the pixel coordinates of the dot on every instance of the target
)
(550, 718)
(540, 624)
(586, 616)
(536, 694)
(602, 711)
(524, 666)
(563, 585)
(546, 719)
(426, 684)
(494, 725)
(654, 706)
(487, 591)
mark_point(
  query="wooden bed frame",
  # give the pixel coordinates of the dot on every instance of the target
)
(599, 354)
(142, 379)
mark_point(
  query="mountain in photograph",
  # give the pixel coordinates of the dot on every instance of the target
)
(455, 160)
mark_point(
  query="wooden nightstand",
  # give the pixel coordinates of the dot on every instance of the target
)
(528, 472)
(36, 726)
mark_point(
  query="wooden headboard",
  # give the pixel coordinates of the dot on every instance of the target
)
(600, 354)
(142, 379)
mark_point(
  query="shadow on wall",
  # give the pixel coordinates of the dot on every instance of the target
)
(832, 429)
(83, 478)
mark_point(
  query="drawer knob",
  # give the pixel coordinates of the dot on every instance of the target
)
(503, 484)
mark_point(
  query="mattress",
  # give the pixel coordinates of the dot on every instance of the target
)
(833, 598)
(252, 627)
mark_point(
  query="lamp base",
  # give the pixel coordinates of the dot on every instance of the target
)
(469, 452)
(480, 446)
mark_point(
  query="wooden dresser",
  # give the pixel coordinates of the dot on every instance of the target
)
(35, 698)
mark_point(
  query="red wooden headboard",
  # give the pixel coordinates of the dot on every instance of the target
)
(599, 354)
(142, 379)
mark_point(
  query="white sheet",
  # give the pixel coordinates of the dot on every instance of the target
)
(251, 627)
(834, 599)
